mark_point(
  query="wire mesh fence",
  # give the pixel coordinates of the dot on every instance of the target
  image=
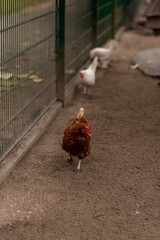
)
(27, 70)
(42, 45)
(105, 20)
(78, 35)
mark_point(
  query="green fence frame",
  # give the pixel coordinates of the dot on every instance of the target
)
(43, 43)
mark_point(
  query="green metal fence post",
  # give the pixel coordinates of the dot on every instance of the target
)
(95, 23)
(61, 51)
(114, 18)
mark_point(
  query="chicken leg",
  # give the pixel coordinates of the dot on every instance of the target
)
(79, 165)
(85, 90)
(70, 160)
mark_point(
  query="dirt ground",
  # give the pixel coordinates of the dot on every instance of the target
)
(116, 195)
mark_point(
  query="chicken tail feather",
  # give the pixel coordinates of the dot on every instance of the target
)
(81, 113)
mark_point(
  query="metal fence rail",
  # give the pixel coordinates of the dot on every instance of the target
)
(42, 45)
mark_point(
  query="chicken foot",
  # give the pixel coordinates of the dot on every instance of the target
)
(70, 160)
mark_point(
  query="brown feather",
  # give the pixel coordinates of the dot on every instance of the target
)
(74, 141)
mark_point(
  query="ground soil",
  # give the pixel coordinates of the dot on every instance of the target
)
(116, 195)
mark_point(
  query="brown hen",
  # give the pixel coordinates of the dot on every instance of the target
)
(76, 139)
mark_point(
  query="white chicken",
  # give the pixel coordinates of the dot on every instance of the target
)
(105, 55)
(88, 75)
